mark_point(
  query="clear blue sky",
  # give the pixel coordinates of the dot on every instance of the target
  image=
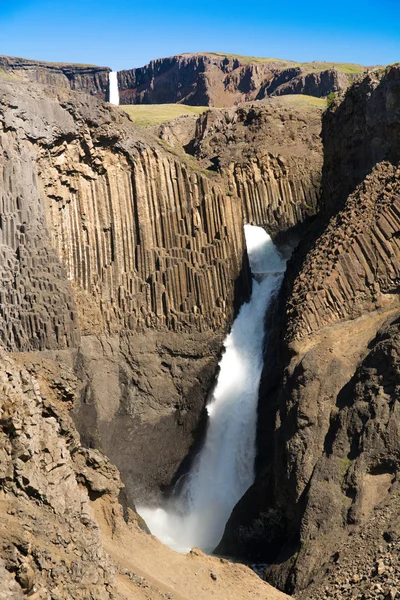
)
(122, 34)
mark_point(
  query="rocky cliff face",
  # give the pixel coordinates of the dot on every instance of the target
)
(298, 81)
(63, 533)
(218, 80)
(84, 78)
(107, 239)
(333, 453)
(269, 154)
(122, 265)
(49, 542)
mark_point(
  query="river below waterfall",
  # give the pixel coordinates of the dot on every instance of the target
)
(224, 469)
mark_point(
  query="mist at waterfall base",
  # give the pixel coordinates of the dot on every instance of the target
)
(114, 90)
(224, 469)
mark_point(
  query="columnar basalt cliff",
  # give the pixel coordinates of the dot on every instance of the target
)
(270, 155)
(299, 81)
(108, 238)
(334, 454)
(84, 78)
(212, 79)
(122, 264)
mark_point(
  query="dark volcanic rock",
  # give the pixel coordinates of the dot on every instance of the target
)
(217, 80)
(317, 84)
(331, 452)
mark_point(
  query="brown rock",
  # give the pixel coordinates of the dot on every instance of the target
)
(212, 79)
(120, 254)
(84, 78)
(334, 453)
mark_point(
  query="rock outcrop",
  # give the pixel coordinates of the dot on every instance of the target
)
(49, 541)
(84, 78)
(299, 81)
(269, 154)
(212, 79)
(330, 453)
(106, 240)
(63, 533)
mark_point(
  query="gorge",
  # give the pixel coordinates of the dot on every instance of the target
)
(224, 468)
(124, 268)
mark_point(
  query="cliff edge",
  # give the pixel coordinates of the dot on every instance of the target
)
(216, 79)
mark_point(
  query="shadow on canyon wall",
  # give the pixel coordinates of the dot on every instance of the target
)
(311, 414)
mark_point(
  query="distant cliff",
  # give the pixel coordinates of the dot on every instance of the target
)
(208, 79)
(85, 78)
(213, 79)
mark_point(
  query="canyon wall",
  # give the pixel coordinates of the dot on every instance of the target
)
(213, 79)
(123, 265)
(331, 454)
(84, 78)
(269, 153)
(66, 532)
(116, 253)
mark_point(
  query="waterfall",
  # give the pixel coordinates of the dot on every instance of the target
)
(224, 468)
(114, 91)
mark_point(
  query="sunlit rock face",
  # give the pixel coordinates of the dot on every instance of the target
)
(83, 78)
(211, 79)
(334, 408)
(121, 255)
(131, 260)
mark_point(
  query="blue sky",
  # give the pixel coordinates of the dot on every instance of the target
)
(123, 34)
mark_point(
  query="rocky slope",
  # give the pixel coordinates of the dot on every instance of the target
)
(268, 152)
(120, 254)
(212, 79)
(85, 78)
(331, 453)
(63, 533)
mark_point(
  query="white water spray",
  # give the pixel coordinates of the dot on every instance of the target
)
(224, 468)
(114, 90)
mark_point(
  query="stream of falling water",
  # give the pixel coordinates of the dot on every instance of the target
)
(114, 91)
(224, 469)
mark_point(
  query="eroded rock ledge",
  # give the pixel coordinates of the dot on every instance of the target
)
(84, 78)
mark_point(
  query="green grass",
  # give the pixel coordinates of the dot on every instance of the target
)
(302, 100)
(345, 464)
(5, 75)
(254, 59)
(348, 68)
(74, 65)
(150, 115)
